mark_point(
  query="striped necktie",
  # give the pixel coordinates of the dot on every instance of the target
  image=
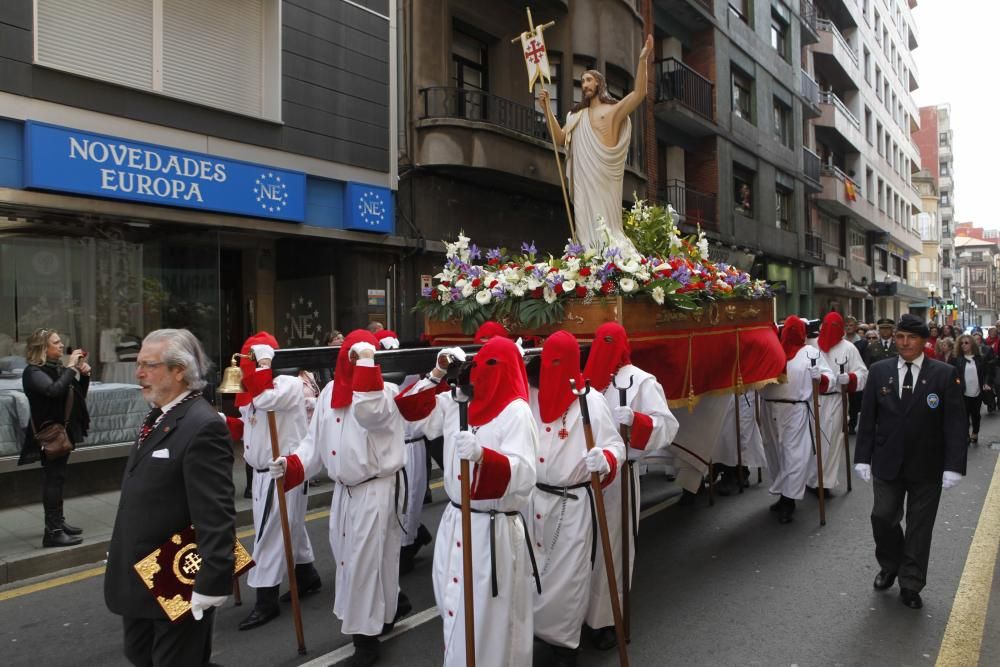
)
(148, 424)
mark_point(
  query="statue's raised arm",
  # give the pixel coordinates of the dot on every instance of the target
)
(632, 101)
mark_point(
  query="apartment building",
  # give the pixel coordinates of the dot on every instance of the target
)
(865, 212)
(976, 274)
(925, 270)
(935, 140)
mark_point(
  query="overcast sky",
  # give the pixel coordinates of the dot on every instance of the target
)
(956, 61)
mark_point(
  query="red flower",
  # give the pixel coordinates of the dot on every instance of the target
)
(446, 283)
(475, 282)
(493, 284)
(536, 293)
(607, 287)
(558, 288)
(585, 271)
(581, 291)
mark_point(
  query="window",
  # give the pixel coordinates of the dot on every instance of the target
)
(977, 275)
(869, 126)
(868, 66)
(870, 184)
(856, 241)
(946, 258)
(555, 70)
(878, 135)
(944, 169)
(881, 259)
(878, 83)
(199, 51)
(782, 123)
(783, 208)
(740, 9)
(977, 256)
(470, 72)
(943, 139)
(779, 34)
(743, 190)
(945, 199)
(897, 266)
(580, 65)
(742, 95)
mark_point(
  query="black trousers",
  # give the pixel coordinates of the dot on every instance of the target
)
(853, 408)
(160, 643)
(974, 406)
(905, 553)
(53, 480)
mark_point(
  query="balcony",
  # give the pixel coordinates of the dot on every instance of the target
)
(810, 93)
(836, 117)
(692, 15)
(835, 52)
(814, 246)
(807, 16)
(684, 98)
(841, 195)
(481, 107)
(811, 170)
(693, 207)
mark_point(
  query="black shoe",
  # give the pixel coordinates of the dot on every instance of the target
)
(563, 656)
(406, 559)
(910, 598)
(71, 530)
(306, 586)
(366, 651)
(728, 486)
(785, 514)
(424, 537)
(605, 638)
(258, 617)
(59, 538)
(403, 607)
(776, 506)
(884, 580)
(815, 491)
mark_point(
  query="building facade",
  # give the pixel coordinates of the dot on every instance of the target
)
(926, 269)
(976, 276)
(935, 139)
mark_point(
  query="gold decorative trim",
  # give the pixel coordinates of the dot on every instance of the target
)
(242, 557)
(148, 567)
(186, 571)
(175, 607)
(176, 539)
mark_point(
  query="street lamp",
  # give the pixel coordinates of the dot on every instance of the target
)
(931, 289)
(973, 316)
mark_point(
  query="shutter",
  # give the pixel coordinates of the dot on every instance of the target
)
(212, 52)
(103, 39)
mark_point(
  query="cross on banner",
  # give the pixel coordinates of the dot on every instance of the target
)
(536, 57)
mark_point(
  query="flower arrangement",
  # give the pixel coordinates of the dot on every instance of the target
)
(476, 285)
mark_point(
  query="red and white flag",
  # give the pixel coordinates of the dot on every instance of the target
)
(536, 57)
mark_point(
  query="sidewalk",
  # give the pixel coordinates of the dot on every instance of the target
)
(22, 555)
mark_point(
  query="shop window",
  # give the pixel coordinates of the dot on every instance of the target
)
(742, 94)
(470, 72)
(743, 184)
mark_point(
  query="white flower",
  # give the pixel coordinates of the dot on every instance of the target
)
(483, 297)
(533, 282)
(446, 296)
(627, 285)
(517, 290)
(549, 294)
(658, 295)
(702, 244)
(463, 241)
(467, 289)
(631, 265)
(568, 285)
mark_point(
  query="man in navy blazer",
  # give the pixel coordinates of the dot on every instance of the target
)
(912, 441)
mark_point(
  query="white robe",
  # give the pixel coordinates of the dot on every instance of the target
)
(788, 434)
(288, 402)
(831, 418)
(361, 447)
(645, 396)
(752, 445)
(561, 526)
(595, 173)
(503, 624)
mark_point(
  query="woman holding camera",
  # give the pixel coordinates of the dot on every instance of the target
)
(50, 385)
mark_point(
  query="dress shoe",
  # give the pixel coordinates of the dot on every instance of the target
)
(827, 493)
(366, 651)
(884, 580)
(563, 656)
(785, 514)
(605, 638)
(258, 617)
(910, 598)
(71, 530)
(729, 485)
(776, 506)
(59, 538)
(307, 579)
(403, 607)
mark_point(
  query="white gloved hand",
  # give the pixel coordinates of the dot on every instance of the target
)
(596, 461)
(623, 415)
(843, 379)
(863, 471)
(277, 467)
(389, 343)
(262, 352)
(950, 479)
(520, 347)
(450, 353)
(815, 373)
(467, 447)
(222, 417)
(363, 350)
(199, 603)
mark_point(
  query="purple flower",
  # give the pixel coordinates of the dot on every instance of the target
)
(474, 251)
(611, 253)
(427, 291)
(574, 249)
(456, 294)
(493, 253)
(539, 272)
(681, 274)
(604, 274)
(529, 249)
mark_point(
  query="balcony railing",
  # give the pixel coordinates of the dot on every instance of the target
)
(810, 164)
(829, 26)
(693, 206)
(810, 89)
(838, 173)
(677, 81)
(828, 97)
(807, 12)
(476, 105)
(814, 246)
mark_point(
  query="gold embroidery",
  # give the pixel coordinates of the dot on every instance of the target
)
(186, 571)
(148, 567)
(175, 607)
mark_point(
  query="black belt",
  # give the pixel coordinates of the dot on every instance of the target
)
(395, 500)
(785, 400)
(564, 492)
(493, 540)
(267, 501)
(411, 440)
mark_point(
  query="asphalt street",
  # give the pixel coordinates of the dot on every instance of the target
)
(722, 585)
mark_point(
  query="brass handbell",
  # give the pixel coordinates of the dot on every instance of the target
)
(232, 377)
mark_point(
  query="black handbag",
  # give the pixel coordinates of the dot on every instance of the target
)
(53, 438)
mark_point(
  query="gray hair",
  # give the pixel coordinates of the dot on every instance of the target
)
(183, 350)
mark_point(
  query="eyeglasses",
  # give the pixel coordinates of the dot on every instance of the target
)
(148, 365)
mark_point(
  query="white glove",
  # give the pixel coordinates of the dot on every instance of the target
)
(468, 448)
(277, 467)
(199, 603)
(844, 379)
(363, 350)
(390, 343)
(222, 417)
(863, 471)
(815, 373)
(596, 461)
(950, 479)
(623, 415)
(520, 347)
(262, 352)
(456, 353)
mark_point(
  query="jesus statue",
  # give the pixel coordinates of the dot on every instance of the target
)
(597, 136)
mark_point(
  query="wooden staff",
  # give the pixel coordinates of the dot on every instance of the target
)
(626, 483)
(739, 442)
(470, 629)
(602, 522)
(286, 534)
(844, 399)
(819, 450)
(237, 596)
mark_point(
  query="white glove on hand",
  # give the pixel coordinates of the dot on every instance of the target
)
(467, 447)
(363, 350)
(843, 379)
(950, 479)
(596, 461)
(450, 353)
(863, 471)
(277, 467)
(815, 373)
(199, 603)
(520, 347)
(262, 352)
(623, 415)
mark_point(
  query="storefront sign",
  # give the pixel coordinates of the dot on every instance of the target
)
(305, 308)
(368, 208)
(67, 160)
(376, 298)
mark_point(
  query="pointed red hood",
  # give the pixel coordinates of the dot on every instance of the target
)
(343, 375)
(560, 364)
(498, 377)
(609, 352)
(490, 329)
(831, 331)
(249, 366)
(793, 336)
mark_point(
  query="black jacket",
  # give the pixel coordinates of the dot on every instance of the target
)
(875, 352)
(47, 387)
(919, 442)
(192, 483)
(982, 370)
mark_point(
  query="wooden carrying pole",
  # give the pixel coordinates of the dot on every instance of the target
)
(626, 483)
(602, 524)
(844, 400)
(819, 451)
(470, 628)
(286, 535)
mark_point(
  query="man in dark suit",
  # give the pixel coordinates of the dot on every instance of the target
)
(912, 441)
(884, 347)
(178, 473)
